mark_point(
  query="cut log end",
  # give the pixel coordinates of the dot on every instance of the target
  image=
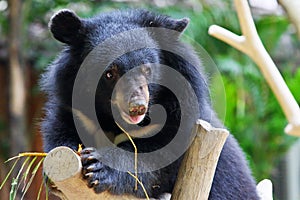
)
(62, 163)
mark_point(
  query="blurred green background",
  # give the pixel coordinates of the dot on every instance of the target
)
(252, 113)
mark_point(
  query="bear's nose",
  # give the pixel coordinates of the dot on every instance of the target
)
(137, 108)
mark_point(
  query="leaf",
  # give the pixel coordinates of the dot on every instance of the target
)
(229, 65)
(13, 189)
(12, 158)
(40, 190)
(25, 175)
(47, 189)
(10, 171)
(20, 171)
(32, 176)
(270, 30)
(16, 182)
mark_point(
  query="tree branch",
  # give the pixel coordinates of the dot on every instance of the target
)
(250, 44)
(292, 8)
(199, 164)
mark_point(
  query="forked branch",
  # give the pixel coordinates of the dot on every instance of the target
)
(250, 44)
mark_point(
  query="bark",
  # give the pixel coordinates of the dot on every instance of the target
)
(199, 164)
(17, 95)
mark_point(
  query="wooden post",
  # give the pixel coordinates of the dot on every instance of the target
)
(63, 166)
(199, 164)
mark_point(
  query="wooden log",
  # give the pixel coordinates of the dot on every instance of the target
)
(265, 189)
(63, 166)
(199, 164)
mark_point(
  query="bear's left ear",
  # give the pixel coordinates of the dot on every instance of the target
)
(67, 27)
(170, 23)
(180, 24)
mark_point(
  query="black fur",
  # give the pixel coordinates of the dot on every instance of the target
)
(232, 179)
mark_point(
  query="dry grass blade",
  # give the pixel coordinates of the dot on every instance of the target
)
(40, 190)
(32, 176)
(10, 171)
(29, 154)
(25, 175)
(12, 158)
(16, 182)
(140, 182)
(13, 189)
(135, 156)
(46, 186)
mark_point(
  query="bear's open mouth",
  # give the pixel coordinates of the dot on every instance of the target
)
(134, 112)
(132, 119)
(137, 108)
(137, 119)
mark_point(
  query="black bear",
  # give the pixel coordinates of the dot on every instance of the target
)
(139, 62)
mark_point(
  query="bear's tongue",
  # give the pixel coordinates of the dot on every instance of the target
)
(136, 119)
(137, 111)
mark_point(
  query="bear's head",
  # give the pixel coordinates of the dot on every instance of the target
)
(125, 84)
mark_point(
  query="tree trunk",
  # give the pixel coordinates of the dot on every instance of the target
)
(17, 96)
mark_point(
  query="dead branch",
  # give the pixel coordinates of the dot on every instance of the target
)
(199, 164)
(250, 44)
(292, 8)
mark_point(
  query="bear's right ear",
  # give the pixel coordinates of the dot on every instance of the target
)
(66, 27)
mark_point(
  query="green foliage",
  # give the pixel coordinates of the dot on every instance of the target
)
(271, 29)
(3, 19)
(293, 80)
(256, 119)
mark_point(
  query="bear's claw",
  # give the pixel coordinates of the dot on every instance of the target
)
(94, 171)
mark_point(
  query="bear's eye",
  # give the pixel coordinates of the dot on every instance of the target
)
(112, 72)
(151, 24)
(109, 75)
